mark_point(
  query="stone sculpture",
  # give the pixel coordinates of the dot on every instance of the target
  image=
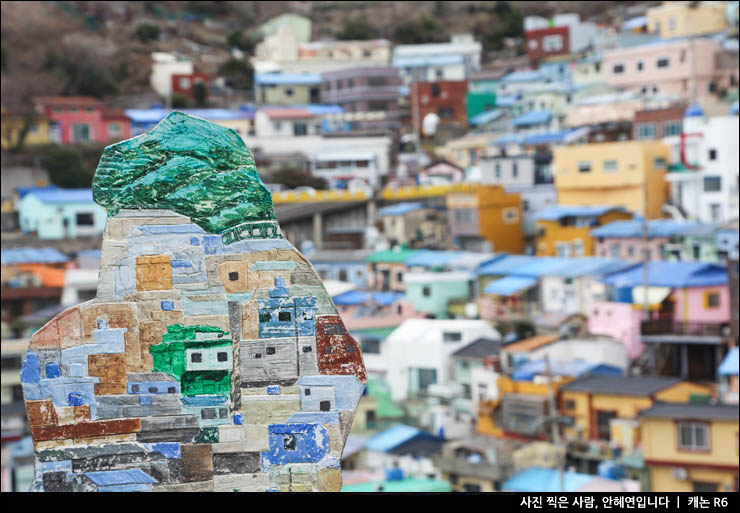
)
(212, 358)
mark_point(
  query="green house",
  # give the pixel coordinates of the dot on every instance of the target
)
(431, 293)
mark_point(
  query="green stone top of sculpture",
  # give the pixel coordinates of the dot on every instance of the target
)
(188, 165)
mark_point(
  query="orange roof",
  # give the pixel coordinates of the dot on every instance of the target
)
(50, 277)
(289, 113)
(530, 344)
(69, 100)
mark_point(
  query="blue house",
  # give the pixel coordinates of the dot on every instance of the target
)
(55, 214)
(296, 443)
(341, 264)
(285, 316)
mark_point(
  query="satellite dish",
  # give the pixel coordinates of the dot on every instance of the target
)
(429, 124)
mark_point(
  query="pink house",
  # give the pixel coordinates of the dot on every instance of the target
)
(667, 67)
(620, 321)
(82, 119)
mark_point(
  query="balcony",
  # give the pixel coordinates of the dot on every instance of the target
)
(673, 327)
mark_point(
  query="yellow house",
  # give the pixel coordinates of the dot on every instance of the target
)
(467, 150)
(11, 125)
(565, 230)
(683, 19)
(627, 174)
(486, 214)
(607, 407)
(518, 402)
(691, 447)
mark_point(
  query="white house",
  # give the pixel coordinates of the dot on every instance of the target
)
(709, 193)
(164, 65)
(455, 60)
(417, 354)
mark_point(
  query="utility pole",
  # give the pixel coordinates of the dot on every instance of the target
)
(554, 429)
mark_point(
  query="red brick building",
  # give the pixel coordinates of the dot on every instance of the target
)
(447, 99)
(184, 84)
(659, 123)
(547, 42)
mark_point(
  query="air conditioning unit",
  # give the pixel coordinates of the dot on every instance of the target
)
(679, 473)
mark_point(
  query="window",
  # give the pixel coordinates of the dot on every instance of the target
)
(426, 377)
(471, 487)
(234, 276)
(693, 436)
(85, 219)
(603, 421)
(577, 249)
(445, 112)
(610, 166)
(426, 291)
(435, 90)
(711, 300)
(289, 442)
(265, 316)
(223, 413)
(704, 487)
(672, 128)
(640, 65)
(277, 126)
(324, 405)
(377, 81)
(377, 105)
(618, 69)
(714, 209)
(712, 183)
(525, 205)
(662, 63)
(114, 129)
(584, 167)
(399, 276)
(467, 391)
(208, 413)
(514, 170)
(511, 215)
(370, 346)
(630, 251)
(659, 163)
(196, 358)
(135, 388)
(570, 404)
(257, 356)
(498, 170)
(285, 317)
(350, 83)
(646, 131)
(712, 154)
(300, 129)
(222, 356)
(552, 43)
(451, 336)
(306, 349)
(269, 350)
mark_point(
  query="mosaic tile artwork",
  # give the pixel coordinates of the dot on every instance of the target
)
(212, 358)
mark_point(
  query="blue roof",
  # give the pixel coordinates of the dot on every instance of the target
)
(522, 76)
(287, 78)
(534, 267)
(671, 274)
(575, 368)
(534, 117)
(503, 265)
(394, 436)
(507, 100)
(729, 366)
(693, 111)
(360, 297)
(633, 228)
(509, 138)
(157, 115)
(32, 256)
(433, 258)
(547, 137)
(426, 60)
(400, 209)
(557, 212)
(537, 479)
(60, 196)
(485, 117)
(120, 477)
(509, 285)
(22, 191)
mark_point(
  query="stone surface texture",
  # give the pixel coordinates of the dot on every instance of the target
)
(212, 358)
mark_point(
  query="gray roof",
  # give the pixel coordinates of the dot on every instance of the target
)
(692, 411)
(479, 349)
(148, 377)
(622, 385)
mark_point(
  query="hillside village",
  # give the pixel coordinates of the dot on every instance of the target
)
(526, 213)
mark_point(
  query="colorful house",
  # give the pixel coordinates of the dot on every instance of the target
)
(341, 264)
(386, 269)
(691, 447)
(432, 292)
(82, 119)
(689, 307)
(13, 123)
(287, 88)
(681, 19)
(464, 363)
(61, 213)
(414, 224)
(565, 230)
(607, 407)
(629, 174)
(486, 217)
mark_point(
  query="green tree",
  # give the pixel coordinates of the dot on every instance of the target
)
(440, 8)
(248, 43)
(237, 73)
(65, 166)
(147, 32)
(419, 31)
(357, 28)
(80, 73)
(200, 94)
(179, 101)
